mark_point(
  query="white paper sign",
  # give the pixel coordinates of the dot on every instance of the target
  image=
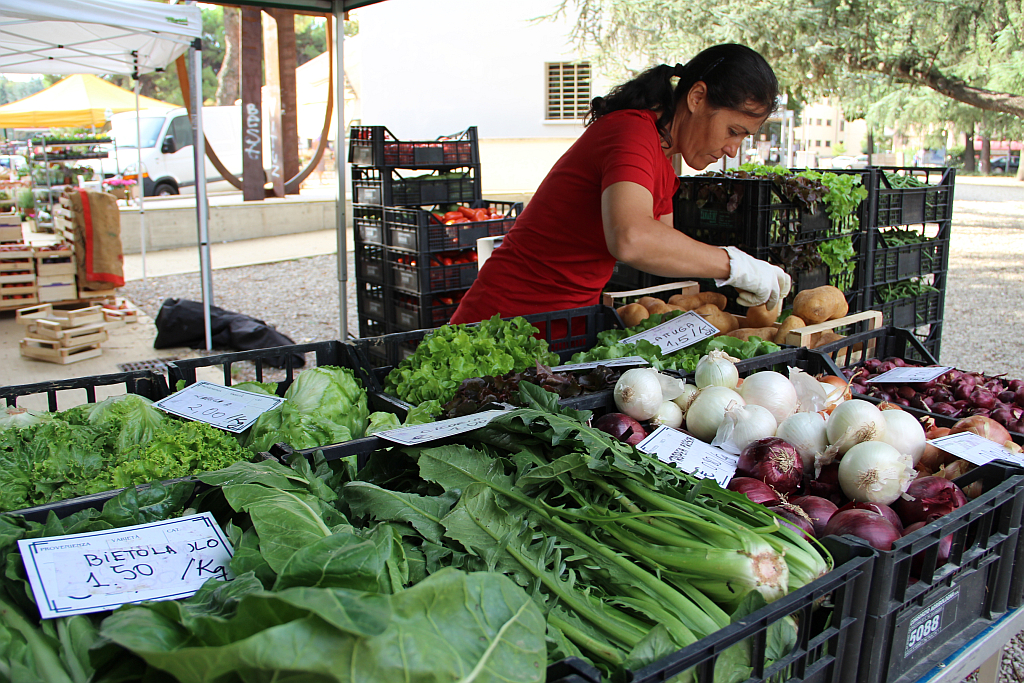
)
(416, 434)
(678, 333)
(631, 361)
(223, 407)
(102, 570)
(975, 449)
(910, 375)
(690, 454)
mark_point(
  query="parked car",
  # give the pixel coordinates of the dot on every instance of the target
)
(998, 164)
(847, 162)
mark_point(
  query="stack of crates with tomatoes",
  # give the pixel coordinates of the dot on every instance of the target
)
(417, 215)
(909, 249)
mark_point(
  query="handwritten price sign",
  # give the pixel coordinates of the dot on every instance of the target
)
(690, 454)
(223, 407)
(417, 434)
(102, 570)
(678, 333)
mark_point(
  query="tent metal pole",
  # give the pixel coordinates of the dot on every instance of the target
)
(339, 165)
(202, 205)
(138, 175)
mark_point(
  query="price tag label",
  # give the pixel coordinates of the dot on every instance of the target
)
(678, 333)
(909, 375)
(626, 361)
(416, 434)
(223, 407)
(690, 454)
(102, 570)
(975, 449)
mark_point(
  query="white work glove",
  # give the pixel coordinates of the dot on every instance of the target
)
(758, 282)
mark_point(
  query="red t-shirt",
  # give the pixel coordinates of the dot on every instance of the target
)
(555, 256)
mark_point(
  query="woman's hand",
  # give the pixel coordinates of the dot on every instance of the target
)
(757, 282)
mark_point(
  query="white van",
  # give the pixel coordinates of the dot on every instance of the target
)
(168, 166)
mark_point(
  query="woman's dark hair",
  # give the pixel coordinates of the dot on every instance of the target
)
(736, 77)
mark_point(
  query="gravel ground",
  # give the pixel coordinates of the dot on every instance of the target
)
(984, 299)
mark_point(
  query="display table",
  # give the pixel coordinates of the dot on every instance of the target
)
(984, 652)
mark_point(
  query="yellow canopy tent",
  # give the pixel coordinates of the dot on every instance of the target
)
(77, 101)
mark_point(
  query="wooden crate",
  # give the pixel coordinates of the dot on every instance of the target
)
(8, 301)
(53, 352)
(124, 315)
(8, 219)
(11, 289)
(11, 233)
(97, 293)
(16, 265)
(23, 277)
(58, 292)
(56, 263)
(67, 318)
(75, 336)
(616, 299)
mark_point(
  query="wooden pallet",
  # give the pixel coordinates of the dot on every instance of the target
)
(52, 352)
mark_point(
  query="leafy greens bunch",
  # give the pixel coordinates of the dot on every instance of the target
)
(452, 353)
(609, 346)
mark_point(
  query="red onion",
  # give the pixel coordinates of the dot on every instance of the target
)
(879, 509)
(933, 496)
(982, 398)
(818, 509)
(982, 426)
(865, 524)
(755, 489)
(826, 485)
(622, 427)
(796, 517)
(945, 548)
(774, 461)
(1018, 397)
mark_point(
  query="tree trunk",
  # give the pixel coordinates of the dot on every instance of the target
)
(228, 76)
(969, 149)
(871, 146)
(1020, 166)
(986, 154)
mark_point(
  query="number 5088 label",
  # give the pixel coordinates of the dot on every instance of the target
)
(928, 623)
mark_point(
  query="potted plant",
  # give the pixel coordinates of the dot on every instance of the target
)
(119, 187)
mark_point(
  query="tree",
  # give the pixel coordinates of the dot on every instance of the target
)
(229, 75)
(950, 47)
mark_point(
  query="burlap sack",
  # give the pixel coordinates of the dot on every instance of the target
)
(98, 253)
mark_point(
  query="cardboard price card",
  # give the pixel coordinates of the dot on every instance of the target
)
(678, 333)
(909, 375)
(976, 449)
(102, 570)
(690, 454)
(625, 361)
(432, 431)
(226, 408)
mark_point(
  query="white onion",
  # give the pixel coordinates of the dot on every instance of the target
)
(669, 414)
(904, 433)
(743, 425)
(686, 398)
(717, 369)
(671, 387)
(854, 421)
(875, 472)
(770, 390)
(833, 395)
(708, 410)
(806, 431)
(809, 394)
(638, 393)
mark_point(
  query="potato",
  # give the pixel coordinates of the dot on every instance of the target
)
(725, 322)
(648, 301)
(660, 307)
(760, 316)
(687, 302)
(790, 323)
(714, 298)
(820, 304)
(826, 337)
(632, 314)
(745, 333)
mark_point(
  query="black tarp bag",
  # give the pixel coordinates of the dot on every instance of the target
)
(180, 323)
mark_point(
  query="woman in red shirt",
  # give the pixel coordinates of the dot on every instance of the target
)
(609, 197)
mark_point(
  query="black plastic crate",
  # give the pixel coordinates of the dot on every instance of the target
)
(65, 393)
(882, 342)
(422, 311)
(371, 327)
(419, 230)
(626, 278)
(830, 613)
(368, 224)
(370, 265)
(421, 274)
(377, 146)
(895, 205)
(911, 312)
(372, 300)
(891, 264)
(319, 353)
(910, 625)
(390, 187)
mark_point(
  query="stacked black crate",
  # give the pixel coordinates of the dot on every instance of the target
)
(754, 215)
(908, 245)
(417, 215)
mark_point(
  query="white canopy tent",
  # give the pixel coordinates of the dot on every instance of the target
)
(113, 37)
